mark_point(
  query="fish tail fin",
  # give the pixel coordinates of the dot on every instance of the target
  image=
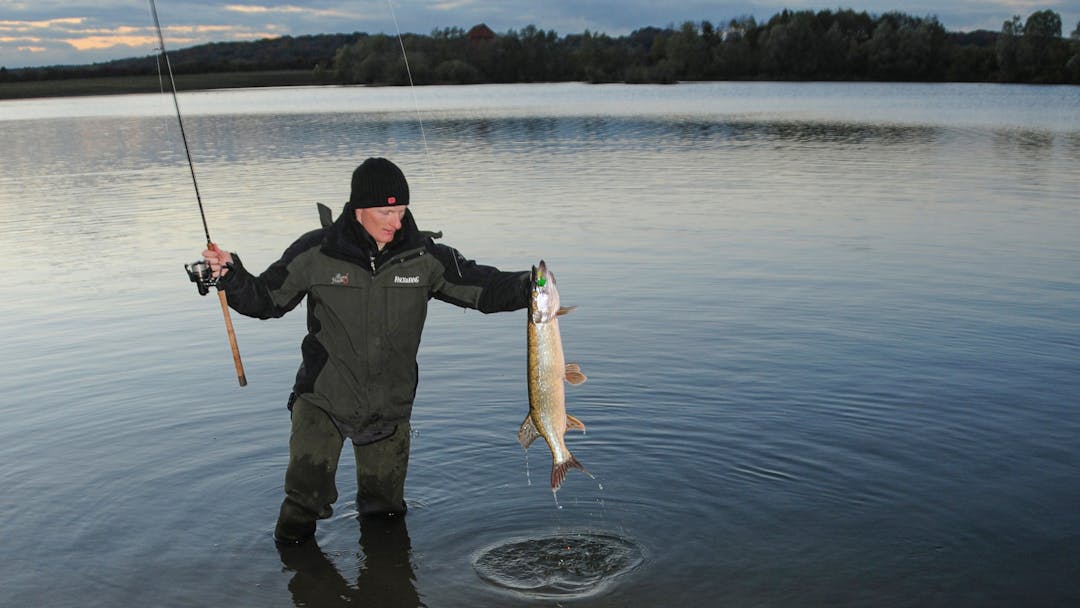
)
(559, 471)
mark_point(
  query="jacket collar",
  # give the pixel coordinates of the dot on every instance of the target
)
(346, 239)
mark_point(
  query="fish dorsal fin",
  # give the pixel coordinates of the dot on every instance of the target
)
(574, 423)
(573, 374)
(527, 433)
(565, 310)
(326, 217)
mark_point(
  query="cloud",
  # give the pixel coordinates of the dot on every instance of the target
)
(252, 9)
(1028, 6)
(249, 8)
(92, 43)
(143, 38)
(452, 5)
(42, 24)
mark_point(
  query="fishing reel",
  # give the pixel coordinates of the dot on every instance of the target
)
(200, 273)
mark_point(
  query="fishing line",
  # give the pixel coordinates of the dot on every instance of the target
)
(419, 118)
(160, 80)
(412, 85)
(416, 108)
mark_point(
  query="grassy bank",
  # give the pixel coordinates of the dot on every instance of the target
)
(121, 85)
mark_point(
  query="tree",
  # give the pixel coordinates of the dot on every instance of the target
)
(371, 60)
(456, 71)
(687, 53)
(906, 48)
(1072, 66)
(1043, 25)
(1007, 45)
(544, 59)
(970, 63)
(737, 54)
(601, 58)
(792, 46)
(1041, 49)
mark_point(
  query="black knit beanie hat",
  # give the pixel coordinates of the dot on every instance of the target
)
(378, 182)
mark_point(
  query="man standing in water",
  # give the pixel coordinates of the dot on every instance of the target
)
(367, 277)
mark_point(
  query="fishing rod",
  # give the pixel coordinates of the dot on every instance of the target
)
(199, 272)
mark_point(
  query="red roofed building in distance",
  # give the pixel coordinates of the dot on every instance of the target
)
(480, 33)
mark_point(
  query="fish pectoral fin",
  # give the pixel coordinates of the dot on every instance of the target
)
(573, 374)
(565, 310)
(527, 433)
(574, 423)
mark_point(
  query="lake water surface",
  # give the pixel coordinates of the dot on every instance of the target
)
(832, 334)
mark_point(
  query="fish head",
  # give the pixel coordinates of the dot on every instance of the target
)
(544, 298)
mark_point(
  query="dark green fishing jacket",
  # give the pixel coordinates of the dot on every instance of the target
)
(366, 311)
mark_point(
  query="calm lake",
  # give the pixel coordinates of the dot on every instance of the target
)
(832, 335)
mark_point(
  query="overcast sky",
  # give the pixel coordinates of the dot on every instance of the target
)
(66, 32)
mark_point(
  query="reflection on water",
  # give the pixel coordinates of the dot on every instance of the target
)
(830, 332)
(385, 572)
(692, 132)
(1024, 146)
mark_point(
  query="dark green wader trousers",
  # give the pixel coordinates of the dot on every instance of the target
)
(314, 451)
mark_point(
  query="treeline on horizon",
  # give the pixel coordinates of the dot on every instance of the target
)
(841, 45)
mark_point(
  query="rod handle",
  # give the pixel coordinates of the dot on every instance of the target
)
(240, 376)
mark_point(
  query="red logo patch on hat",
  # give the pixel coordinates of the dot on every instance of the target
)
(390, 200)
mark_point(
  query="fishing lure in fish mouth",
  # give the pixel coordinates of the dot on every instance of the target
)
(544, 298)
(538, 275)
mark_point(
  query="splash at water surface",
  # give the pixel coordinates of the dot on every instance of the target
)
(560, 566)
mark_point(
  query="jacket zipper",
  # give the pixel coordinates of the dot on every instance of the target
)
(395, 260)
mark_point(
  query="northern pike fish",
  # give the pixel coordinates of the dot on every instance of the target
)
(547, 370)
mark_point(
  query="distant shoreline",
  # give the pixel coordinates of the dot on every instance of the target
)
(129, 85)
(126, 85)
(792, 46)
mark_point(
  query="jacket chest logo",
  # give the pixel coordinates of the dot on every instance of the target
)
(414, 280)
(341, 278)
